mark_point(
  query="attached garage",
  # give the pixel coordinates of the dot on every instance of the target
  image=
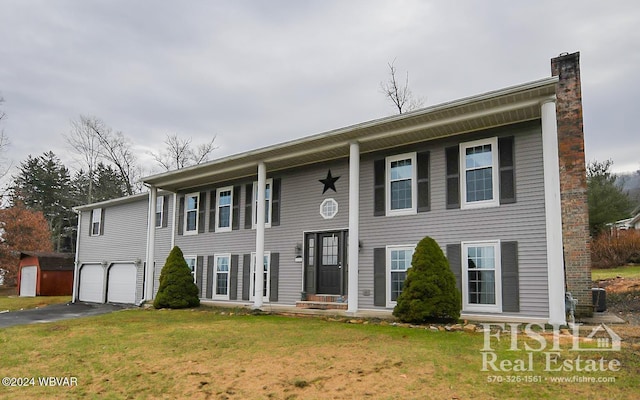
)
(121, 286)
(45, 274)
(91, 283)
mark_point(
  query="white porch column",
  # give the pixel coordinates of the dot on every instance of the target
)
(174, 218)
(354, 225)
(151, 244)
(76, 271)
(553, 212)
(260, 215)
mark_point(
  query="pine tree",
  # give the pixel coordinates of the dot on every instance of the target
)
(430, 291)
(177, 289)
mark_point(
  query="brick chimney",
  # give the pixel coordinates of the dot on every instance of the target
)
(573, 180)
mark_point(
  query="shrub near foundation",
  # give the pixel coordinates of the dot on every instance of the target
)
(177, 289)
(430, 292)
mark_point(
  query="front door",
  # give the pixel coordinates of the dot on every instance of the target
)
(329, 263)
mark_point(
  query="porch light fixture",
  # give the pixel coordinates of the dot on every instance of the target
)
(298, 252)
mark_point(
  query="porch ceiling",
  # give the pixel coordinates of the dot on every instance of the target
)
(507, 106)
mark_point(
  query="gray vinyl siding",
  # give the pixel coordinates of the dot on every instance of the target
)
(523, 221)
(124, 238)
(301, 196)
(300, 199)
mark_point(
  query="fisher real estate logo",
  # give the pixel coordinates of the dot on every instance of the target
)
(556, 350)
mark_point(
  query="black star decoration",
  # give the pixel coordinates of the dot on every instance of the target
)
(329, 182)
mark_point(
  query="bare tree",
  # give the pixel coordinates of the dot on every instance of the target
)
(115, 148)
(179, 153)
(5, 164)
(83, 140)
(400, 94)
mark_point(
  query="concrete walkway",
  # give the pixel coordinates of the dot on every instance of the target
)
(56, 312)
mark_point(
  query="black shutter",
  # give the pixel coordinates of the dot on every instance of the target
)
(210, 277)
(233, 278)
(424, 203)
(379, 178)
(379, 277)
(248, 211)
(235, 214)
(506, 161)
(246, 276)
(181, 215)
(212, 212)
(165, 211)
(455, 263)
(202, 211)
(275, 202)
(102, 221)
(199, 274)
(274, 272)
(452, 155)
(510, 280)
(91, 223)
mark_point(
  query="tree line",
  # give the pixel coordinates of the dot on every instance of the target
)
(37, 208)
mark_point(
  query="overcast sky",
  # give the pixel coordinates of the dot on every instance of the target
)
(255, 73)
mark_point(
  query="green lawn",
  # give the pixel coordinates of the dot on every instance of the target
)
(208, 353)
(14, 302)
(627, 272)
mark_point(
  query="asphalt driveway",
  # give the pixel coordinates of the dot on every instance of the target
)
(56, 312)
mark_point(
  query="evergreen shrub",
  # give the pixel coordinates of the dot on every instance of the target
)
(430, 292)
(177, 289)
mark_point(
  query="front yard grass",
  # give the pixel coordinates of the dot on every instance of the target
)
(627, 272)
(14, 302)
(209, 354)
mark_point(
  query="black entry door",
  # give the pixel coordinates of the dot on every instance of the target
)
(329, 263)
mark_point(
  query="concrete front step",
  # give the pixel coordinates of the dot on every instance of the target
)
(321, 305)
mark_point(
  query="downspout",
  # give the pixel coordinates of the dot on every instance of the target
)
(76, 271)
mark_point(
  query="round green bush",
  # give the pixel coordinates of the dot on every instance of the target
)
(430, 292)
(177, 289)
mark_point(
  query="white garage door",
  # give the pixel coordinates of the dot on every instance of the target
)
(122, 284)
(91, 283)
(28, 281)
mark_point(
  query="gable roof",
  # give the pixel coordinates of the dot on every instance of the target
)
(492, 109)
(50, 261)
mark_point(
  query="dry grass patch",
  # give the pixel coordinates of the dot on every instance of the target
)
(200, 354)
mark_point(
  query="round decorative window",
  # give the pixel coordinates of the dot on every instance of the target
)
(328, 208)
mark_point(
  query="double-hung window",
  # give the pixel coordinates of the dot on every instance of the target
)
(481, 276)
(191, 263)
(159, 211)
(401, 184)
(224, 204)
(267, 201)
(398, 263)
(222, 266)
(191, 214)
(266, 261)
(96, 221)
(479, 166)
